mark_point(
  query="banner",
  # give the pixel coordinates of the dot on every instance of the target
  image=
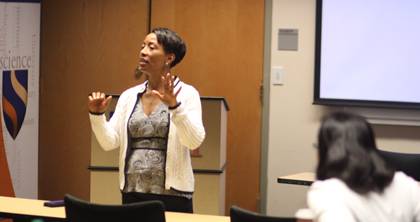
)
(19, 67)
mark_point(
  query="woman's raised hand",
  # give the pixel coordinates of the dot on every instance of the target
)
(98, 103)
(166, 93)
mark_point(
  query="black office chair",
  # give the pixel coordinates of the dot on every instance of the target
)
(238, 214)
(78, 210)
(409, 163)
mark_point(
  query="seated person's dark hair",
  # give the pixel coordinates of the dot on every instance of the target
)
(347, 151)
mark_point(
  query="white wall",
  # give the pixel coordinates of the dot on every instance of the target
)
(293, 120)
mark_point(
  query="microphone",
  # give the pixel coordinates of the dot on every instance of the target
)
(137, 73)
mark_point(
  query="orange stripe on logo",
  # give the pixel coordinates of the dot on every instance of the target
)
(10, 111)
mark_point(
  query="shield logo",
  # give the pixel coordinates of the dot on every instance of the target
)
(15, 98)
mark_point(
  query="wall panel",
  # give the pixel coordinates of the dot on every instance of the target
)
(225, 58)
(86, 45)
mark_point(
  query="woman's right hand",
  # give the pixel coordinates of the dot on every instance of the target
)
(98, 103)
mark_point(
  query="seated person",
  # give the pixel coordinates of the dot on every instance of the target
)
(354, 183)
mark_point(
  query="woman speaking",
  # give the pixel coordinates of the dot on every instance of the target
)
(155, 125)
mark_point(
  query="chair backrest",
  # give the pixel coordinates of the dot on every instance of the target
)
(78, 210)
(238, 214)
(409, 163)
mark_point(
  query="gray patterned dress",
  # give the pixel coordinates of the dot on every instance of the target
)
(145, 168)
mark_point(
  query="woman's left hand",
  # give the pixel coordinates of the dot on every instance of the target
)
(166, 93)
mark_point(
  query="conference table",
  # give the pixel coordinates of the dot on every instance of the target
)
(12, 207)
(304, 178)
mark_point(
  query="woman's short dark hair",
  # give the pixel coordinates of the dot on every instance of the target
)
(171, 43)
(347, 151)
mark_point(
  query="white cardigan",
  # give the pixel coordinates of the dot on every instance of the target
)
(186, 131)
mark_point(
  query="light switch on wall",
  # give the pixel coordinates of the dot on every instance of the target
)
(277, 73)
